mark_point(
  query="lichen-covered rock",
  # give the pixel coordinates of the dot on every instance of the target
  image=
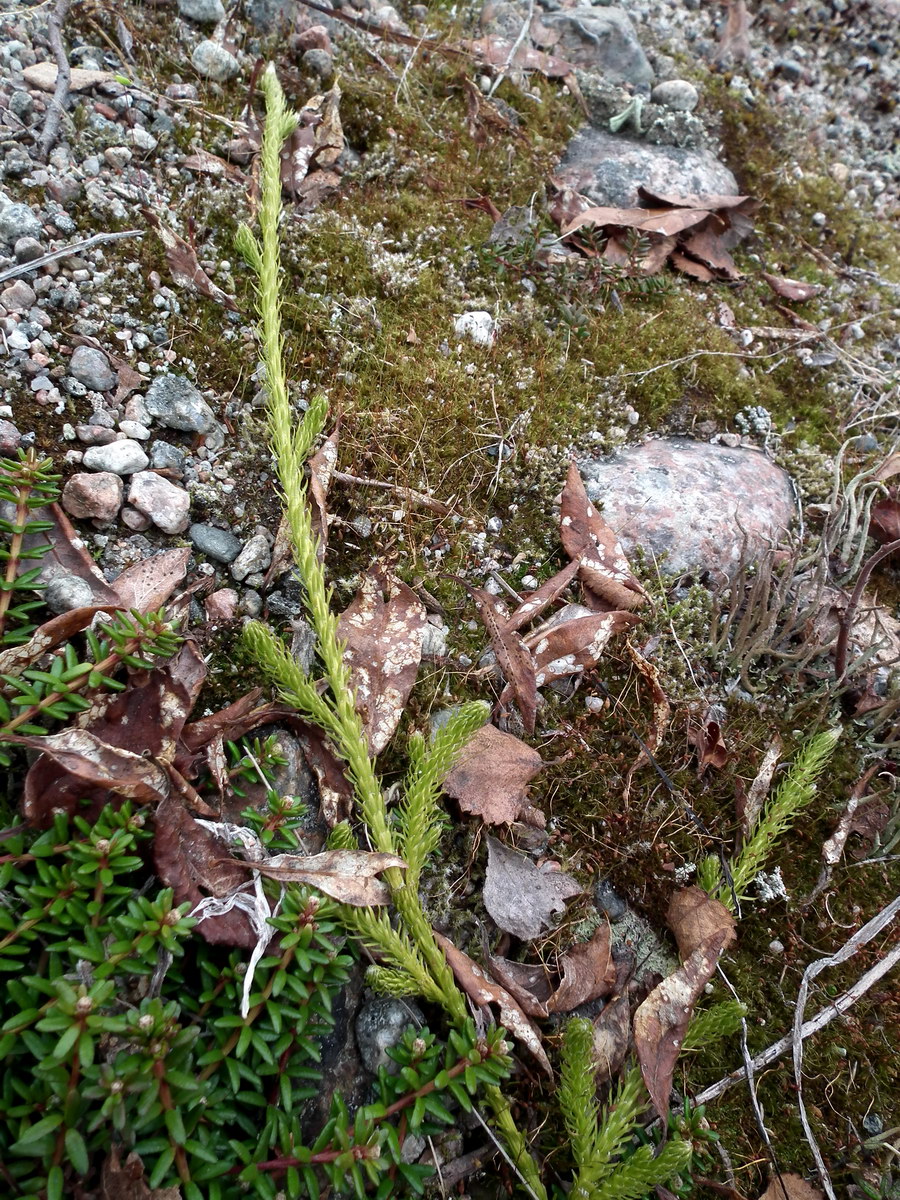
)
(692, 504)
(609, 170)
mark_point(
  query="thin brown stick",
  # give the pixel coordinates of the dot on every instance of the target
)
(840, 649)
(871, 929)
(56, 107)
(822, 1018)
(414, 497)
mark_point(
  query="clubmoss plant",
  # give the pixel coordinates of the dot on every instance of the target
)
(793, 794)
(415, 959)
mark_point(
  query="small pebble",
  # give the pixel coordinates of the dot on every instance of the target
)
(214, 62)
(122, 457)
(776, 947)
(166, 504)
(680, 95)
(219, 544)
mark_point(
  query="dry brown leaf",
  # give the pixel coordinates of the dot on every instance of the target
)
(752, 806)
(347, 876)
(68, 555)
(688, 266)
(529, 983)
(94, 764)
(125, 1181)
(492, 774)
(603, 567)
(205, 163)
(496, 52)
(15, 659)
(791, 289)
(661, 1021)
(566, 203)
(889, 468)
(549, 591)
(513, 656)
(483, 991)
(183, 266)
(194, 862)
(612, 1038)
(695, 917)
(573, 647)
(588, 973)
(321, 471)
(710, 746)
(712, 202)
(884, 518)
(382, 630)
(791, 1187)
(521, 898)
(662, 714)
(666, 222)
(710, 249)
(148, 584)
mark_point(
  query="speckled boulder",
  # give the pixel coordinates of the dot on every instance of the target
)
(609, 169)
(692, 502)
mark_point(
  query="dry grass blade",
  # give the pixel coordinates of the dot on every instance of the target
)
(662, 715)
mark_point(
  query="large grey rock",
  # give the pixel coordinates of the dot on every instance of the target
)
(213, 61)
(91, 367)
(174, 401)
(602, 40)
(609, 169)
(692, 502)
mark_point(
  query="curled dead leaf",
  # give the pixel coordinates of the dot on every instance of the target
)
(603, 567)
(348, 876)
(588, 973)
(710, 745)
(184, 266)
(695, 917)
(790, 1187)
(382, 630)
(492, 774)
(512, 654)
(521, 898)
(661, 1021)
(791, 289)
(482, 991)
(662, 714)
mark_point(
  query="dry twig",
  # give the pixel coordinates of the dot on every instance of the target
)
(56, 107)
(96, 239)
(849, 948)
(822, 1018)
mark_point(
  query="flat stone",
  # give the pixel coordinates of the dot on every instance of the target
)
(91, 367)
(173, 400)
(167, 505)
(692, 502)
(255, 556)
(122, 457)
(203, 12)
(18, 221)
(213, 61)
(95, 435)
(93, 497)
(219, 544)
(609, 169)
(18, 297)
(678, 94)
(42, 75)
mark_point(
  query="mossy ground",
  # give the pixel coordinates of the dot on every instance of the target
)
(372, 284)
